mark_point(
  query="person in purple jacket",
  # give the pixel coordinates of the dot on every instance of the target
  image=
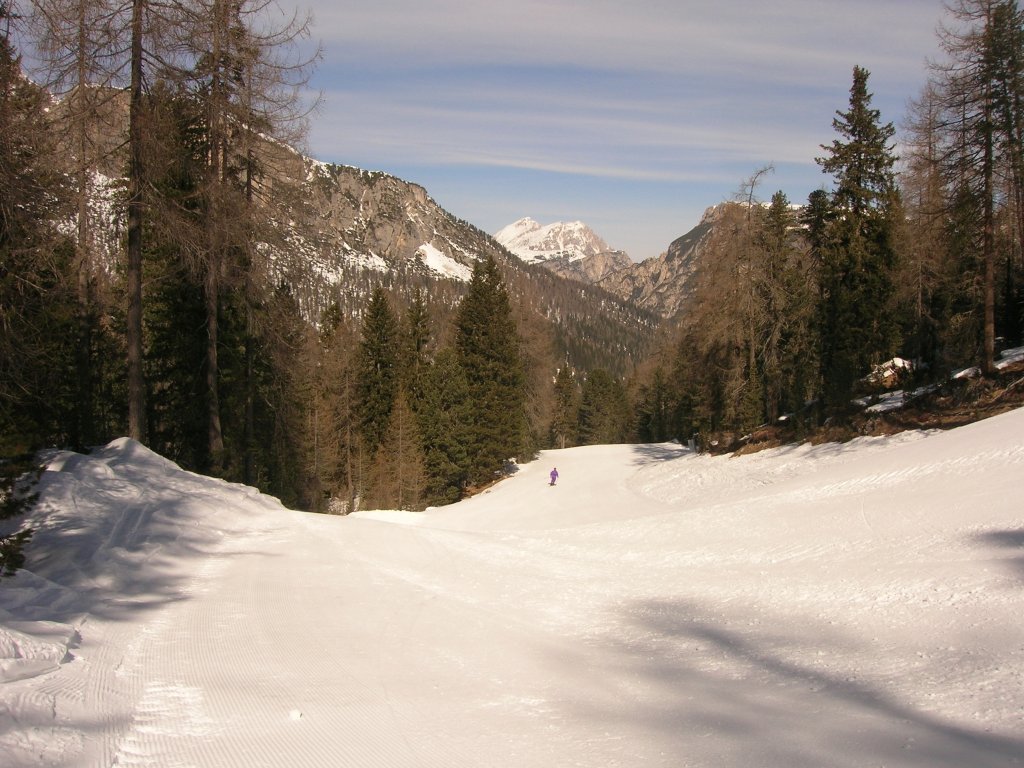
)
(554, 475)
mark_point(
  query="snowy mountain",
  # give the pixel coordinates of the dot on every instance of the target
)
(531, 242)
(570, 249)
(661, 285)
(838, 605)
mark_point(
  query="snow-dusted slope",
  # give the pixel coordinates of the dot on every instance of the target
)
(838, 605)
(531, 242)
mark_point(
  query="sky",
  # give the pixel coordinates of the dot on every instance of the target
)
(632, 117)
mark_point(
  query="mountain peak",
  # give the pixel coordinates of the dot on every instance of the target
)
(564, 241)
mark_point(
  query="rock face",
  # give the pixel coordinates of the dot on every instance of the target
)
(663, 285)
(378, 222)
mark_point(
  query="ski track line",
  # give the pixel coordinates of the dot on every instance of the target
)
(159, 707)
(231, 700)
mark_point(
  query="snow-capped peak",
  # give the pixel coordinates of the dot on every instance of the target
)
(516, 230)
(532, 242)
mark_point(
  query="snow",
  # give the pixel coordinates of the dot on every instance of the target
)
(832, 605)
(896, 399)
(443, 264)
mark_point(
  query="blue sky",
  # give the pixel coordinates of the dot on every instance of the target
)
(630, 116)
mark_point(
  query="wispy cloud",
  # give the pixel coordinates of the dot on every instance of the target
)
(692, 93)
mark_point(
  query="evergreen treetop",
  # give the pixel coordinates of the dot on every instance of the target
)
(862, 159)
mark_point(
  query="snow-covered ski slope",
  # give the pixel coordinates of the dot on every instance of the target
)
(839, 605)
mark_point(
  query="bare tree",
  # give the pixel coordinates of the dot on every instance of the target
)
(980, 86)
(248, 74)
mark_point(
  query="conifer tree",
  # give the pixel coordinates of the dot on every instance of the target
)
(654, 409)
(566, 416)
(415, 341)
(34, 265)
(444, 423)
(858, 254)
(604, 415)
(377, 371)
(786, 346)
(487, 345)
(398, 473)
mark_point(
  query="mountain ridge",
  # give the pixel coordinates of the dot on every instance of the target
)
(662, 284)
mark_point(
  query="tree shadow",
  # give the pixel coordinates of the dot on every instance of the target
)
(1009, 539)
(650, 453)
(716, 692)
(113, 544)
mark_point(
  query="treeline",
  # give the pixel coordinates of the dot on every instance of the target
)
(918, 256)
(188, 339)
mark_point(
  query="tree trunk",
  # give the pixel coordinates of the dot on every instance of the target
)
(136, 380)
(215, 436)
(988, 242)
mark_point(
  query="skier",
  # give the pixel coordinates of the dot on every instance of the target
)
(554, 475)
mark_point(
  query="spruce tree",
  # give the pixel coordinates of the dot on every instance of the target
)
(415, 341)
(604, 414)
(487, 345)
(377, 370)
(563, 425)
(858, 254)
(444, 422)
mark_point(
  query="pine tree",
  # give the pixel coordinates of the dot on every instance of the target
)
(36, 381)
(35, 365)
(487, 345)
(654, 409)
(858, 254)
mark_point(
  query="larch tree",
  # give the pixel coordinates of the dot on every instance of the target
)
(246, 75)
(980, 89)
(83, 44)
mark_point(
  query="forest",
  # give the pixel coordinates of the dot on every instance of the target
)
(183, 337)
